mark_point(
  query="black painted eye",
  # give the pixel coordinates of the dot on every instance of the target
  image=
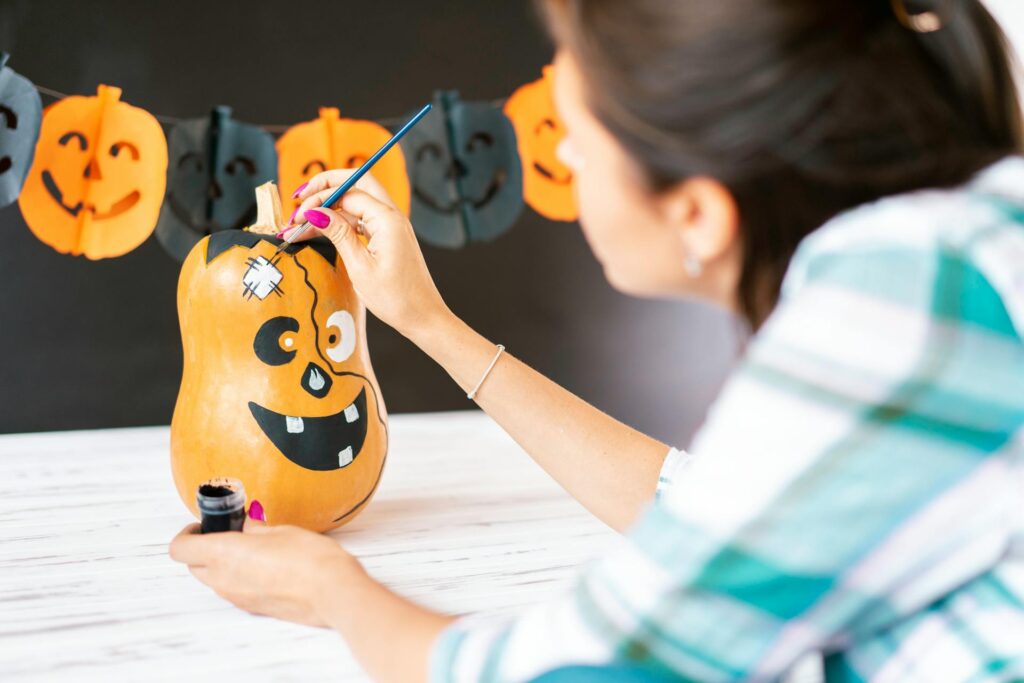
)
(429, 149)
(332, 339)
(355, 161)
(240, 164)
(478, 139)
(116, 148)
(193, 158)
(10, 118)
(308, 168)
(275, 342)
(83, 144)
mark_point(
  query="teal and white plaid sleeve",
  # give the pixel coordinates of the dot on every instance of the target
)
(857, 489)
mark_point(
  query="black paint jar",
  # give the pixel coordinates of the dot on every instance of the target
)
(221, 504)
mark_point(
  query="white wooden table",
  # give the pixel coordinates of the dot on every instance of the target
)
(463, 522)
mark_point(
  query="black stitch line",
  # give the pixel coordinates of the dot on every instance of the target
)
(376, 400)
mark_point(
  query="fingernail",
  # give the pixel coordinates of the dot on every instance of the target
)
(256, 511)
(299, 190)
(281, 234)
(291, 219)
(317, 218)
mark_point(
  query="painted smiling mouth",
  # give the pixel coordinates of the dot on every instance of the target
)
(317, 443)
(496, 182)
(118, 207)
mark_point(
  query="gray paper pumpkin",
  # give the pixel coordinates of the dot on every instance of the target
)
(464, 171)
(215, 164)
(21, 113)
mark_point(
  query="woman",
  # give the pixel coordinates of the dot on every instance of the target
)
(843, 175)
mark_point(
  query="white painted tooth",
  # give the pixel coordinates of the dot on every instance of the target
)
(345, 456)
(351, 413)
(293, 424)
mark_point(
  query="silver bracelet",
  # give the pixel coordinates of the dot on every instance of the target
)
(471, 395)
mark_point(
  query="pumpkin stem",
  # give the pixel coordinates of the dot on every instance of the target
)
(269, 219)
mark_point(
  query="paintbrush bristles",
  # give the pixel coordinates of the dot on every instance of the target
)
(269, 216)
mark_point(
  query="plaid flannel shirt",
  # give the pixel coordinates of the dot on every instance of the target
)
(857, 488)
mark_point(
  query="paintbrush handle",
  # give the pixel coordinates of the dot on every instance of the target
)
(360, 172)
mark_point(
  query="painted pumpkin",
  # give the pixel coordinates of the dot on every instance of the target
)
(547, 183)
(277, 388)
(98, 177)
(333, 142)
(215, 164)
(467, 185)
(21, 113)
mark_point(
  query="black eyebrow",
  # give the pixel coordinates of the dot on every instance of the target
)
(66, 138)
(10, 116)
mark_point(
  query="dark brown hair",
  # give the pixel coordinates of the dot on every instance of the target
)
(802, 108)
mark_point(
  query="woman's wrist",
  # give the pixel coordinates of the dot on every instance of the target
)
(431, 326)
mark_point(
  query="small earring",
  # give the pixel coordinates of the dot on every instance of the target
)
(692, 264)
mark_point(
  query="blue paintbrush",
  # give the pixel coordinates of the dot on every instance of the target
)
(360, 172)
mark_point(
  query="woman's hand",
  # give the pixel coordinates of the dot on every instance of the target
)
(280, 571)
(297, 575)
(379, 249)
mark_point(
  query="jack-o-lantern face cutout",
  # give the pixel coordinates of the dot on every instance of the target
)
(333, 142)
(464, 172)
(20, 115)
(98, 177)
(215, 165)
(277, 388)
(547, 183)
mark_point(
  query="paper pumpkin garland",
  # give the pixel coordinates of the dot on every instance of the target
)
(215, 165)
(547, 183)
(277, 388)
(21, 113)
(98, 176)
(333, 142)
(464, 172)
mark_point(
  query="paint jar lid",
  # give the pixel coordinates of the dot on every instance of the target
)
(220, 496)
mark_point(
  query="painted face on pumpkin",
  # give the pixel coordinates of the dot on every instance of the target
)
(277, 389)
(333, 142)
(547, 182)
(98, 177)
(464, 171)
(20, 116)
(215, 164)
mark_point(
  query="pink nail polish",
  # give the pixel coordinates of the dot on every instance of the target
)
(317, 218)
(291, 219)
(299, 190)
(256, 511)
(281, 234)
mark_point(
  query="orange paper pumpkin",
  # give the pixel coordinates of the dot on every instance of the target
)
(277, 388)
(97, 181)
(333, 142)
(547, 183)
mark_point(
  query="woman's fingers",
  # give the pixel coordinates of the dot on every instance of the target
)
(344, 236)
(330, 180)
(191, 547)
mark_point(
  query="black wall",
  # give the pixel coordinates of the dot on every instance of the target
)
(88, 344)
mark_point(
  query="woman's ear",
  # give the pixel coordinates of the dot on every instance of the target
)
(704, 213)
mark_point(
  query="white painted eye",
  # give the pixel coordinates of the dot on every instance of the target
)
(341, 334)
